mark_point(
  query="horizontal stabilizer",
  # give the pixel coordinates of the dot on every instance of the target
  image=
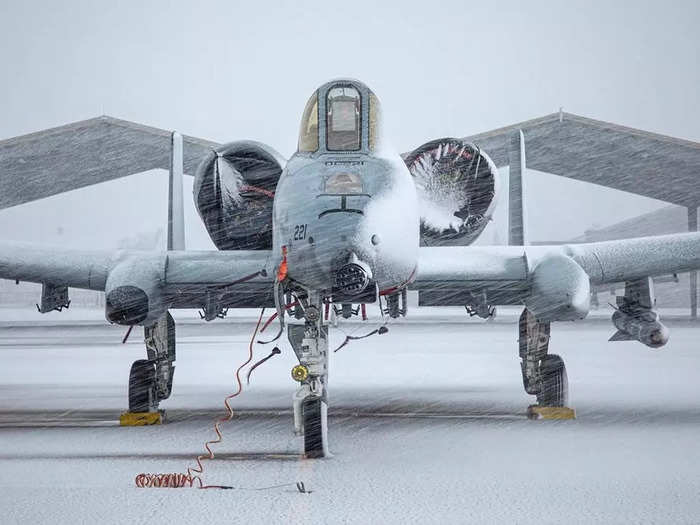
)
(621, 336)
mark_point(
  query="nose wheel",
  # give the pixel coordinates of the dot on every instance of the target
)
(315, 422)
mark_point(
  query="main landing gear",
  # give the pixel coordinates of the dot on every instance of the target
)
(544, 374)
(151, 379)
(310, 343)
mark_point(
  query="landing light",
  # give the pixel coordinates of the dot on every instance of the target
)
(300, 373)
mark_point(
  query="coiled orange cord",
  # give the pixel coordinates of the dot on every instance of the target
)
(178, 480)
(163, 480)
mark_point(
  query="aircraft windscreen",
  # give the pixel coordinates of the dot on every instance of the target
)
(343, 116)
(343, 123)
(308, 132)
(375, 112)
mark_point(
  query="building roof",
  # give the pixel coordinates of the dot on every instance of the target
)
(666, 220)
(627, 159)
(69, 157)
(104, 148)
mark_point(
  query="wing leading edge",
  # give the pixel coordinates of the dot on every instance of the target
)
(449, 275)
(186, 279)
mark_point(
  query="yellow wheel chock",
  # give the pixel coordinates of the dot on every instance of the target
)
(138, 419)
(540, 412)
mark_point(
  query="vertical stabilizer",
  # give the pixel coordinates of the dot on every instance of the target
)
(176, 211)
(516, 190)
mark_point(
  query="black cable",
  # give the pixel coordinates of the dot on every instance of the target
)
(299, 485)
(381, 330)
(279, 333)
(275, 351)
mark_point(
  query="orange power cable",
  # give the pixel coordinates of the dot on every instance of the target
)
(200, 468)
(177, 480)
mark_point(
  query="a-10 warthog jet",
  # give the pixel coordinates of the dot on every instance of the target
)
(347, 221)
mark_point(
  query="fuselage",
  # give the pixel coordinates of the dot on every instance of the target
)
(346, 210)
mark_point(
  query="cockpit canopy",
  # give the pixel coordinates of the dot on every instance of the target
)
(341, 116)
(343, 123)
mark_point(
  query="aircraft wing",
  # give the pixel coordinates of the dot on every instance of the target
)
(514, 274)
(628, 259)
(185, 279)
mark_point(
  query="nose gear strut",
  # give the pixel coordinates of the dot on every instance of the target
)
(310, 402)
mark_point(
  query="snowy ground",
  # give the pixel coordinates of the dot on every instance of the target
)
(427, 426)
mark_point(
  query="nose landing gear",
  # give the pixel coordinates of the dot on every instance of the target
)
(310, 402)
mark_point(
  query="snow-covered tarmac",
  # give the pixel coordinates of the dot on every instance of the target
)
(427, 426)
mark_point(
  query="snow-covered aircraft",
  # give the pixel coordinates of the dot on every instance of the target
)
(347, 221)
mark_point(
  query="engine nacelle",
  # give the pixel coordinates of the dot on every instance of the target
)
(234, 189)
(560, 290)
(457, 187)
(644, 327)
(133, 291)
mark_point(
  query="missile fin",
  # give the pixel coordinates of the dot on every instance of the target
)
(621, 336)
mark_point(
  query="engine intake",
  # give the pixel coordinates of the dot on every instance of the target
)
(234, 190)
(457, 185)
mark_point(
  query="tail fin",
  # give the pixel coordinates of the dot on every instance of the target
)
(176, 210)
(516, 190)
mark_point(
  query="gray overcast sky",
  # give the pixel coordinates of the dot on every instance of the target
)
(228, 70)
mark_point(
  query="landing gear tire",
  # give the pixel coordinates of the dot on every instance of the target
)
(555, 384)
(314, 414)
(142, 387)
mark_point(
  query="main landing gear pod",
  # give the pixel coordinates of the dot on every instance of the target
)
(310, 402)
(544, 375)
(151, 380)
